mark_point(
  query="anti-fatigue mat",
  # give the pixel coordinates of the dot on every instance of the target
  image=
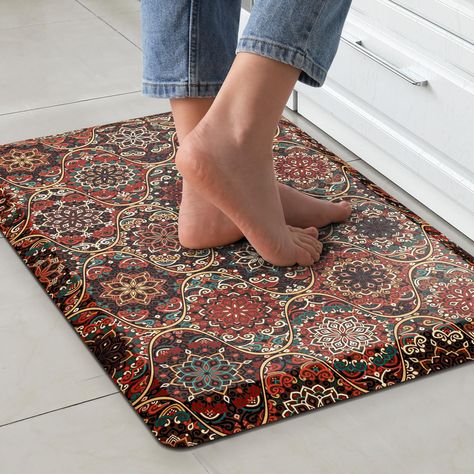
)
(207, 343)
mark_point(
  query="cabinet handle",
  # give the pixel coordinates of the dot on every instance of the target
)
(357, 45)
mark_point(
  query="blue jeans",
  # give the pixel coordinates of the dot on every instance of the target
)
(189, 45)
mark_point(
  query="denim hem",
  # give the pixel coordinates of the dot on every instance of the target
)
(171, 90)
(311, 73)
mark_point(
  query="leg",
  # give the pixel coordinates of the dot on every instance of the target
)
(171, 67)
(296, 32)
(228, 158)
(193, 83)
(202, 225)
(181, 40)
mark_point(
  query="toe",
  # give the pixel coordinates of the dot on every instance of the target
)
(346, 206)
(310, 248)
(315, 245)
(304, 256)
(311, 239)
(313, 231)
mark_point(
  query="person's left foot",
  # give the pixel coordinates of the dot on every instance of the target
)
(201, 224)
(303, 210)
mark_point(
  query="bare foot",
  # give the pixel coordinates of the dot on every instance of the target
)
(303, 210)
(237, 177)
(203, 225)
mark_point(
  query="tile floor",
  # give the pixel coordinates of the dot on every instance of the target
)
(68, 64)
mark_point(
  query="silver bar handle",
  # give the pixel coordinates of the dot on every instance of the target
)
(413, 78)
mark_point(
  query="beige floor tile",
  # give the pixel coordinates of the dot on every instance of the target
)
(128, 23)
(17, 13)
(87, 113)
(103, 7)
(63, 62)
(99, 437)
(122, 15)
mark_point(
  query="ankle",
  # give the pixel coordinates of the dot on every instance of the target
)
(253, 135)
(247, 130)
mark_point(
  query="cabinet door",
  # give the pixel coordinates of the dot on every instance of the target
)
(420, 137)
(455, 16)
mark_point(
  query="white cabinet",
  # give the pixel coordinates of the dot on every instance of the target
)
(456, 16)
(419, 136)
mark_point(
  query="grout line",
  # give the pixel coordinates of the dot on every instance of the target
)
(58, 409)
(201, 463)
(108, 24)
(69, 103)
(43, 23)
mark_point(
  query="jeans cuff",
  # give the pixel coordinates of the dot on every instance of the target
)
(171, 90)
(311, 73)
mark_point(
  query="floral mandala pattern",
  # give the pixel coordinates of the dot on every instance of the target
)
(309, 398)
(344, 335)
(202, 374)
(236, 312)
(453, 298)
(249, 258)
(205, 343)
(140, 288)
(127, 137)
(23, 160)
(105, 175)
(157, 237)
(301, 168)
(48, 270)
(363, 277)
(65, 219)
(112, 351)
(382, 229)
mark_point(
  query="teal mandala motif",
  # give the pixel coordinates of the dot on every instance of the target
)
(206, 374)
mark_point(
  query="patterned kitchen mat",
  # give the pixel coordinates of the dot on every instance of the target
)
(207, 343)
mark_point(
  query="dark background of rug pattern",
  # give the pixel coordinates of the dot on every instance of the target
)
(206, 343)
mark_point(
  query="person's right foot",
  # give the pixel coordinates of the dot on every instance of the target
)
(237, 177)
